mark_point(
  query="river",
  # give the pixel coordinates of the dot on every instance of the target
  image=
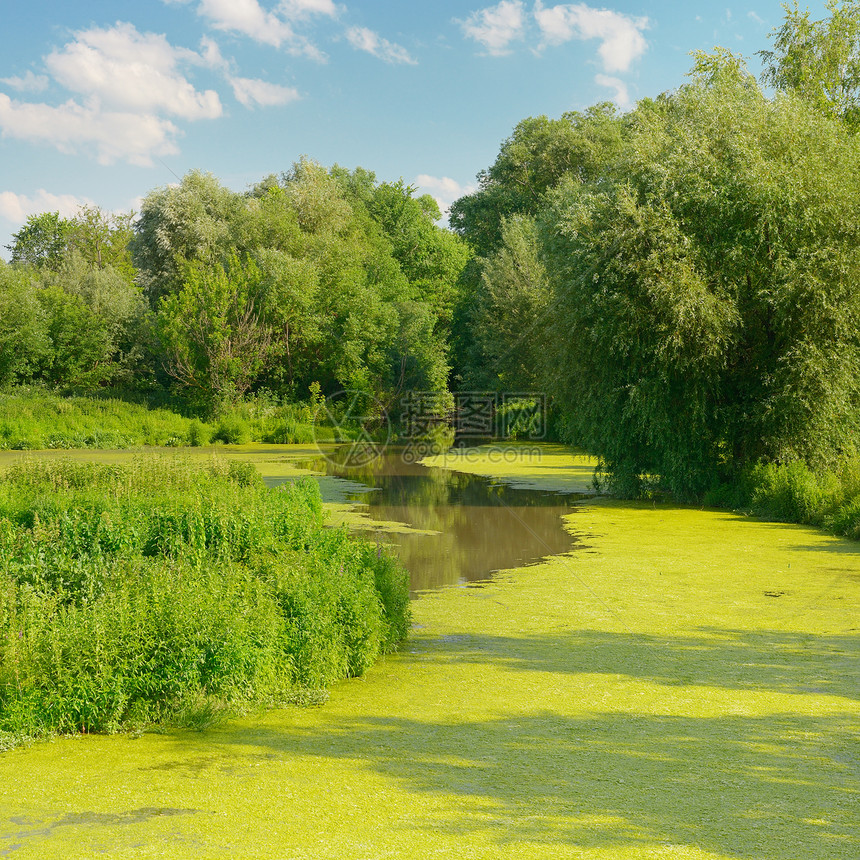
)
(669, 683)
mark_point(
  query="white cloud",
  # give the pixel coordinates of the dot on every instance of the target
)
(757, 18)
(297, 10)
(250, 92)
(130, 70)
(211, 56)
(128, 83)
(73, 128)
(443, 190)
(497, 26)
(19, 207)
(249, 18)
(366, 40)
(622, 94)
(28, 83)
(621, 39)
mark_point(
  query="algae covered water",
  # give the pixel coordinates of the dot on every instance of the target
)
(684, 686)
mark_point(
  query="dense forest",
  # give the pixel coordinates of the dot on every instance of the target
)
(680, 280)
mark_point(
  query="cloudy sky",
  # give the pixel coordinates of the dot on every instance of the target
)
(103, 100)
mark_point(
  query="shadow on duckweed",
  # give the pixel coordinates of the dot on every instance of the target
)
(762, 660)
(470, 526)
(740, 784)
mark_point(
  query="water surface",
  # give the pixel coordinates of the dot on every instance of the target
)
(468, 526)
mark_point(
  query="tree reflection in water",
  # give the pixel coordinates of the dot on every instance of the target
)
(483, 526)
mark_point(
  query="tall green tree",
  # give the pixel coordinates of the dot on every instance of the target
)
(24, 342)
(512, 310)
(214, 340)
(179, 224)
(102, 240)
(819, 60)
(580, 147)
(534, 159)
(706, 314)
(42, 241)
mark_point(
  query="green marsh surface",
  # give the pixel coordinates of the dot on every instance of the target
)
(684, 685)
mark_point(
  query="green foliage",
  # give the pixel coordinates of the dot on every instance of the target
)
(315, 275)
(534, 159)
(42, 241)
(162, 592)
(689, 299)
(792, 492)
(819, 60)
(581, 147)
(102, 240)
(32, 418)
(514, 295)
(198, 434)
(211, 331)
(46, 241)
(233, 430)
(709, 290)
(181, 224)
(25, 346)
(69, 325)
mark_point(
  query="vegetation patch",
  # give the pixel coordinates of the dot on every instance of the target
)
(35, 419)
(165, 592)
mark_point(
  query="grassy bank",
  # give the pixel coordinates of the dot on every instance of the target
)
(33, 419)
(794, 493)
(163, 591)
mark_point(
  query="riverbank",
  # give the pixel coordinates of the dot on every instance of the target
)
(33, 419)
(682, 686)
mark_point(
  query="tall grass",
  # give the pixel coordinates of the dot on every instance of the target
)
(162, 592)
(33, 418)
(265, 419)
(793, 492)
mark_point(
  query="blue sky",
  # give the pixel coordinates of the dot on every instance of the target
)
(103, 100)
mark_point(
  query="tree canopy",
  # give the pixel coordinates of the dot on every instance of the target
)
(687, 292)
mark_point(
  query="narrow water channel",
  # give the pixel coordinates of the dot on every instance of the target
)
(466, 527)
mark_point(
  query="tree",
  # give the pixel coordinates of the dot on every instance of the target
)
(534, 159)
(819, 60)
(705, 311)
(24, 342)
(432, 259)
(102, 240)
(580, 147)
(214, 341)
(41, 241)
(512, 309)
(81, 345)
(179, 224)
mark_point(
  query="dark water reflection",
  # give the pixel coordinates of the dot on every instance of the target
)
(482, 526)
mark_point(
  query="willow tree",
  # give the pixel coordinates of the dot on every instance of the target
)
(706, 310)
(819, 60)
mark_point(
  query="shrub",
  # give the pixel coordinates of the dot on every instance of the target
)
(232, 429)
(164, 592)
(199, 434)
